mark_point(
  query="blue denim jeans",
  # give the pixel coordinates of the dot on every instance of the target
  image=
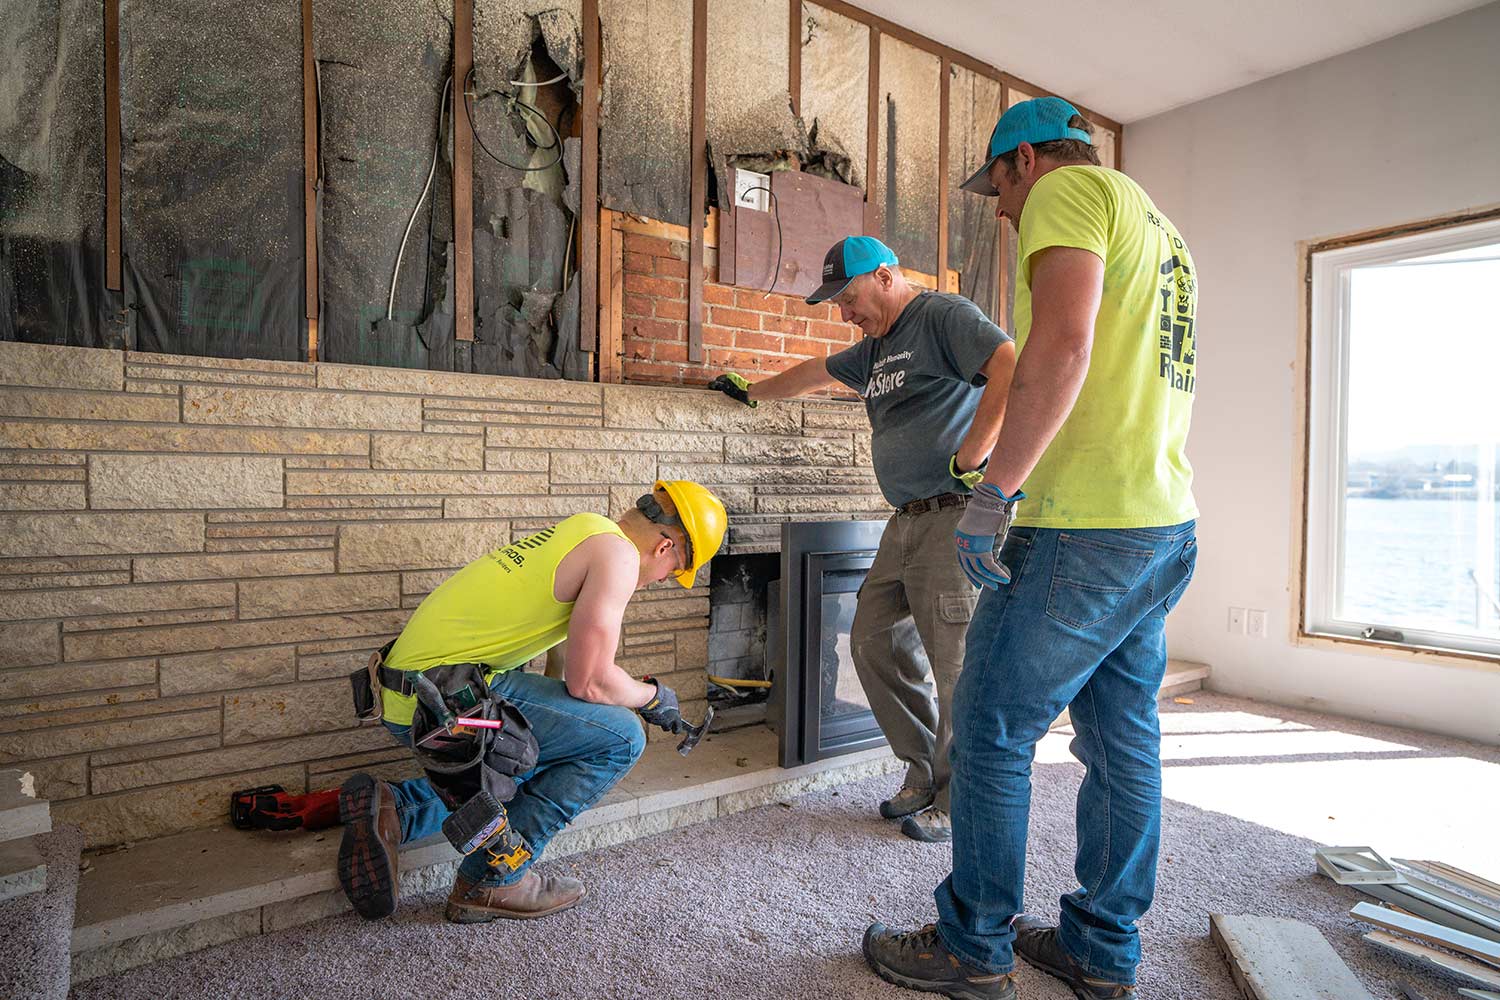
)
(1080, 626)
(585, 749)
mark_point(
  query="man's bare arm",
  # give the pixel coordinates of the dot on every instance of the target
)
(984, 429)
(809, 376)
(1066, 285)
(594, 631)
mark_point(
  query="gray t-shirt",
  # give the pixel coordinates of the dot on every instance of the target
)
(921, 383)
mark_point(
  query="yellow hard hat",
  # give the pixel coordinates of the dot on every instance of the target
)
(703, 519)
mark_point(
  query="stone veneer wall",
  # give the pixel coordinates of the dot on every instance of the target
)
(194, 552)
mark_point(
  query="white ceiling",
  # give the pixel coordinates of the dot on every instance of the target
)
(1130, 59)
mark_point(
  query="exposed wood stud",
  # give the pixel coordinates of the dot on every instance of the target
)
(945, 71)
(589, 233)
(872, 136)
(699, 188)
(1003, 251)
(611, 297)
(794, 55)
(112, 277)
(310, 178)
(463, 172)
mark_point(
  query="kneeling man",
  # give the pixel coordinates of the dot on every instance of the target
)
(464, 644)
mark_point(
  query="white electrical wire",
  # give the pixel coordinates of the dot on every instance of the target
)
(390, 303)
(544, 83)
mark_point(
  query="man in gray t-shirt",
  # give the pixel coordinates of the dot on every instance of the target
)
(935, 375)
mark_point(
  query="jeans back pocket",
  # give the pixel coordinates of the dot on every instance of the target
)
(1090, 578)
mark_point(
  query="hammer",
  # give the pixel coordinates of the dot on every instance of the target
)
(695, 733)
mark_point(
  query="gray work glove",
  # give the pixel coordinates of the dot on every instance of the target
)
(662, 710)
(981, 532)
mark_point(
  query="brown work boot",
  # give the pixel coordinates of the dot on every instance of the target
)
(370, 848)
(534, 896)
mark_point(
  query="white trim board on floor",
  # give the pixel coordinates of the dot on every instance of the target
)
(1433, 958)
(1427, 930)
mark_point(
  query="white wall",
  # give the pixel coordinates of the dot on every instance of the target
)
(1401, 130)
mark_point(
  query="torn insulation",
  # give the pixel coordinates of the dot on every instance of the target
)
(52, 176)
(973, 230)
(835, 91)
(380, 85)
(525, 96)
(904, 187)
(646, 113)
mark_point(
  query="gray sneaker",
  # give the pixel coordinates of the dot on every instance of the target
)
(906, 802)
(931, 826)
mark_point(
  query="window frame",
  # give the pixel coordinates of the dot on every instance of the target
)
(1325, 358)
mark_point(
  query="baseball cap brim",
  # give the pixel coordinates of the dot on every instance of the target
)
(979, 183)
(829, 289)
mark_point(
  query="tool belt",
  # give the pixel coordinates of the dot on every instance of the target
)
(459, 762)
(376, 677)
(935, 503)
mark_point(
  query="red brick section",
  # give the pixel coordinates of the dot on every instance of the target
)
(744, 330)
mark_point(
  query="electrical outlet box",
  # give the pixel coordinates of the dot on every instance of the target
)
(1255, 624)
(752, 190)
(1237, 621)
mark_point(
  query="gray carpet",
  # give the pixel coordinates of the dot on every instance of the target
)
(772, 903)
(35, 930)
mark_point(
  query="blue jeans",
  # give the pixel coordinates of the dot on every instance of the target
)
(585, 749)
(1080, 626)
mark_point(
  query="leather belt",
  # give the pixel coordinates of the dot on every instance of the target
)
(935, 503)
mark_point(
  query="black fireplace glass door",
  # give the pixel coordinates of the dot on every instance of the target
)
(838, 711)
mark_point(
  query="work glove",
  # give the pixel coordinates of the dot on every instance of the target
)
(981, 532)
(662, 710)
(735, 387)
(969, 479)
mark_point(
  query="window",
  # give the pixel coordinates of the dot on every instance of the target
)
(1404, 429)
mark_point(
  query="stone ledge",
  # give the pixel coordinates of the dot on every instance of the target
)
(130, 913)
(140, 904)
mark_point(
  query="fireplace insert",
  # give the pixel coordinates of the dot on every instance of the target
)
(818, 705)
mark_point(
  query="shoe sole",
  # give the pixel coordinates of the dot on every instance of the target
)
(458, 913)
(367, 872)
(924, 837)
(959, 991)
(893, 814)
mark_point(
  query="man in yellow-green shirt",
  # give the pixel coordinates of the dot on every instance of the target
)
(1082, 535)
(574, 736)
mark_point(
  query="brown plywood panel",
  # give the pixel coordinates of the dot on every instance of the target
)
(905, 180)
(815, 214)
(973, 230)
(646, 121)
(835, 77)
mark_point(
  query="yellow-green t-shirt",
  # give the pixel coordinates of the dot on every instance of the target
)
(1118, 461)
(500, 610)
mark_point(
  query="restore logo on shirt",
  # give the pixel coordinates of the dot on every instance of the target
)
(882, 382)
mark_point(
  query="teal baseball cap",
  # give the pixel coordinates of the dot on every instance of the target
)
(1042, 119)
(848, 259)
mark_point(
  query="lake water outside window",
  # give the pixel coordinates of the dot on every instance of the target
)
(1404, 500)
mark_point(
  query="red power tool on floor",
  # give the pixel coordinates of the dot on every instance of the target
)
(269, 807)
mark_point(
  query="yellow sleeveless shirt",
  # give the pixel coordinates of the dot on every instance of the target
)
(498, 611)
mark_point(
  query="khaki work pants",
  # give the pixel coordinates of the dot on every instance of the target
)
(908, 637)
